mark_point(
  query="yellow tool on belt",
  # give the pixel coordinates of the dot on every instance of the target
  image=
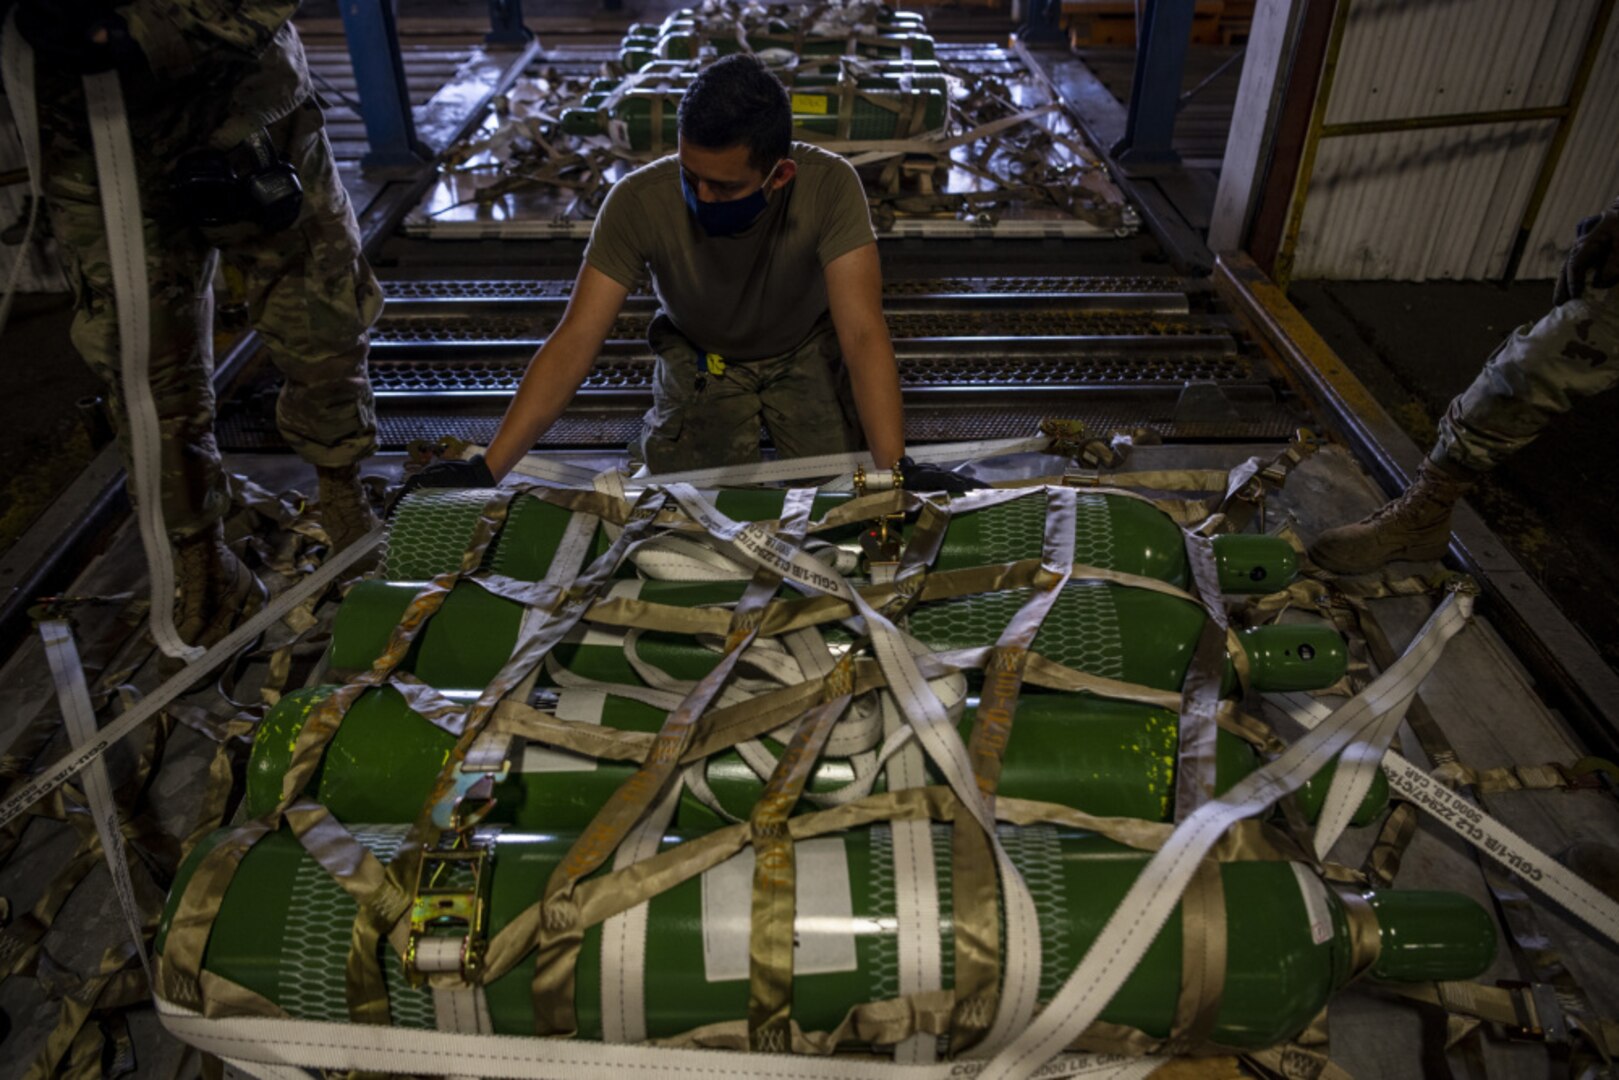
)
(716, 364)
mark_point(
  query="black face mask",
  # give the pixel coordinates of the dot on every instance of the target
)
(726, 218)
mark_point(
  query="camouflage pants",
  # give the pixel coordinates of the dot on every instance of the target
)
(700, 419)
(1538, 372)
(310, 295)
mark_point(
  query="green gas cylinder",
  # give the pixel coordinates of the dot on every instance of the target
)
(1113, 532)
(1109, 758)
(283, 929)
(431, 529)
(1135, 635)
(682, 41)
(1130, 634)
(873, 14)
(629, 121)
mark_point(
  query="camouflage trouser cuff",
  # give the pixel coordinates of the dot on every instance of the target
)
(1455, 460)
(334, 457)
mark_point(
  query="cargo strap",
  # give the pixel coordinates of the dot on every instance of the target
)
(1360, 762)
(783, 469)
(1537, 959)
(925, 713)
(79, 717)
(126, 257)
(1144, 909)
(282, 1042)
(1493, 838)
(53, 775)
(977, 962)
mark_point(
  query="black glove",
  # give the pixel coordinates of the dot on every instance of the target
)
(473, 473)
(932, 478)
(81, 35)
(1595, 253)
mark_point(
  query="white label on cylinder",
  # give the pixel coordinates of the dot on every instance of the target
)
(1317, 906)
(823, 926)
(582, 706)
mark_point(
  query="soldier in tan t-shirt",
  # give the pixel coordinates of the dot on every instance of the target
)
(765, 266)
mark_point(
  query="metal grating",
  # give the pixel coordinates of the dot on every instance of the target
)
(396, 378)
(534, 327)
(617, 427)
(535, 289)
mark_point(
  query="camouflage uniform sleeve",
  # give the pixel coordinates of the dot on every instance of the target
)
(178, 34)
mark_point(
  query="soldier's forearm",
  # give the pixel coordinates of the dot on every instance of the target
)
(552, 378)
(874, 378)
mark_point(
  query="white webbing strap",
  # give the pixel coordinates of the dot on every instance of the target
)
(17, 74)
(536, 467)
(801, 468)
(916, 889)
(74, 760)
(374, 1048)
(566, 561)
(1427, 792)
(79, 717)
(927, 715)
(1352, 778)
(1156, 892)
(463, 1008)
(623, 948)
(126, 256)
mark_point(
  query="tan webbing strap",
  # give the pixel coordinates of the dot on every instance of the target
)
(178, 969)
(978, 962)
(1200, 691)
(379, 908)
(560, 934)
(323, 723)
(1383, 861)
(1203, 957)
(1533, 949)
(565, 607)
(771, 937)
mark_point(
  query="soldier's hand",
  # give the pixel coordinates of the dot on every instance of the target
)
(472, 473)
(80, 35)
(1595, 254)
(932, 478)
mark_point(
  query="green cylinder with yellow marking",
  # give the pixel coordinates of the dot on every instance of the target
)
(881, 110)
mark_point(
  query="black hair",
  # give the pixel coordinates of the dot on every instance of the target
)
(736, 101)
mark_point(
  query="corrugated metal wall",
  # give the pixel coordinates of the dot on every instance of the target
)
(1587, 177)
(1447, 202)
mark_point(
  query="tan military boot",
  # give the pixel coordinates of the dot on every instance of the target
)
(1414, 526)
(215, 591)
(345, 512)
